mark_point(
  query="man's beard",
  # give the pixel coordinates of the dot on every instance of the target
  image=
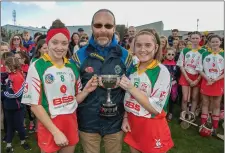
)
(103, 42)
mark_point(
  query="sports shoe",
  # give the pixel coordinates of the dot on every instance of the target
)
(26, 146)
(9, 150)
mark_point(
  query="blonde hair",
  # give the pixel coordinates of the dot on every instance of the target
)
(171, 49)
(84, 35)
(167, 44)
(153, 33)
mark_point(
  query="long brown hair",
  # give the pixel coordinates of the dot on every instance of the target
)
(40, 43)
(13, 64)
(151, 32)
(6, 55)
(11, 41)
(23, 55)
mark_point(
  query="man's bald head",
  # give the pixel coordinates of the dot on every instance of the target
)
(103, 10)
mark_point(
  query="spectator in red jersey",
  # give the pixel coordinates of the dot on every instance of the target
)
(5, 52)
(24, 61)
(16, 44)
(11, 98)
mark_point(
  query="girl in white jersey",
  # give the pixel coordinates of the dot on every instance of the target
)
(211, 68)
(146, 98)
(190, 78)
(53, 90)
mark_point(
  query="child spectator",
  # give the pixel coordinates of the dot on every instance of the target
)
(24, 61)
(180, 47)
(170, 63)
(5, 52)
(11, 98)
(27, 42)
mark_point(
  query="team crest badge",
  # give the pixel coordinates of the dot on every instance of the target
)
(207, 59)
(49, 78)
(117, 69)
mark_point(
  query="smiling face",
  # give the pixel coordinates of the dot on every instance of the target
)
(103, 27)
(145, 47)
(131, 31)
(21, 60)
(181, 46)
(26, 36)
(4, 48)
(16, 40)
(44, 49)
(76, 38)
(215, 43)
(170, 54)
(175, 43)
(163, 42)
(195, 39)
(58, 46)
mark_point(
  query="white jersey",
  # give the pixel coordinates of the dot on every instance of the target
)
(155, 83)
(189, 60)
(211, 64)
(52, 87)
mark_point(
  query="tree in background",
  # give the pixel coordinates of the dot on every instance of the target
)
(7, 34)
(121, 29)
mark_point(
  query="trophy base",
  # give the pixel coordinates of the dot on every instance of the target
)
(108, 110)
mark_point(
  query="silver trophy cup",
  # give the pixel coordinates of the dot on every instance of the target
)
(109, 109)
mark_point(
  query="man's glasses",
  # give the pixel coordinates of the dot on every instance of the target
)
(170, 54)
(99, 25)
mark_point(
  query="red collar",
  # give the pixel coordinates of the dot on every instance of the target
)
(169, 62)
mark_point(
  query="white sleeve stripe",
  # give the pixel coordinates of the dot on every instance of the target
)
(16, 95)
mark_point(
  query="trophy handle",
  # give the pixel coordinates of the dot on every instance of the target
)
(108, 95)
